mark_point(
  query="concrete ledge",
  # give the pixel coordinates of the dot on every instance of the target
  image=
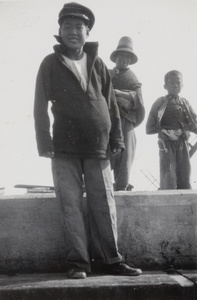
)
(148, 286)
(156, 230)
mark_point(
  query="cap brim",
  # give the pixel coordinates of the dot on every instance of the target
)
(75, 15)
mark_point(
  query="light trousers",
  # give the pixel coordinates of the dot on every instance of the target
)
(93, 236)
(121, 165)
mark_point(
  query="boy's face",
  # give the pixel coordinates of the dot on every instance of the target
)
(174, 84)
(73, 32)
(123, 59)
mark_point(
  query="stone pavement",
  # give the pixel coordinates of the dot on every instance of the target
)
(150, 285)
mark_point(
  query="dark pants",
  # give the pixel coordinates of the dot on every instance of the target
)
(175, 165)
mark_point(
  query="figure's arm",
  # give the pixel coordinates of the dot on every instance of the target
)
(124, 100)
(193, 116)
(116, 136)
(152, 121)
(132, 101)
(41, 117)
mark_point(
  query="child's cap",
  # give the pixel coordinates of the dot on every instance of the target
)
(77, 10)
(125, 44)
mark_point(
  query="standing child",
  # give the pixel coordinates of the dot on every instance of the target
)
(173, 118)
(86, 127)
(129, 98)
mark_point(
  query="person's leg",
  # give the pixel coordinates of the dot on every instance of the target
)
(67, 175)
(101, 210)
(183, 165)
(102, 217)
(124, 162)
(167, 154)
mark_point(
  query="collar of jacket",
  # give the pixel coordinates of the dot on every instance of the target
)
(162, 108)
(90, 48)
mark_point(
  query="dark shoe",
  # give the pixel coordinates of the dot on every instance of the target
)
(124, 270)
(129, 187)
(76, 273)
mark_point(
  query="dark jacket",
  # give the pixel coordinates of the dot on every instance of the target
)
(158, 108)
(86, 123)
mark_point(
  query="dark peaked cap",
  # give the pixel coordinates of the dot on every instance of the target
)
(77, 10)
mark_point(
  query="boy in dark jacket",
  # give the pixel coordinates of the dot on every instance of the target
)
(173, 118)
(86, 129)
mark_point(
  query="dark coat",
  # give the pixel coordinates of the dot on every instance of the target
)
(86, 123)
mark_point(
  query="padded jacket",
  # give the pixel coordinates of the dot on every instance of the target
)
(86, 124)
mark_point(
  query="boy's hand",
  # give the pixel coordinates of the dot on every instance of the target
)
(116, 151)
(48, 154)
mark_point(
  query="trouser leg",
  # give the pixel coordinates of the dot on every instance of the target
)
(122, 164)
(67, 176)
(183, 166)
(167, 154)
(101, 211)
(175, 165)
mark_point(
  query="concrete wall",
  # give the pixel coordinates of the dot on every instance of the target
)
(156, 230)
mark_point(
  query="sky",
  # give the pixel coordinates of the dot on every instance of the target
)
(164, 34)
